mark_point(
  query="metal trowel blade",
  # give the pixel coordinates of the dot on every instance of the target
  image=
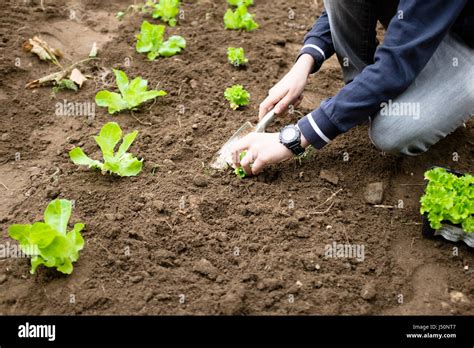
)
(223, 157)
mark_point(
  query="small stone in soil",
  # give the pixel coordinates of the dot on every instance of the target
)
(368, 292)
(200, 181)
(206, 268)
(458, 297)
(374, 193)
(329, 176)
(194, 84)
(136, 279)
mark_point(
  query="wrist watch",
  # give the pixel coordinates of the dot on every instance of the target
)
(290, 136)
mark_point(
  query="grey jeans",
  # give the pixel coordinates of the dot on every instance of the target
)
(439, 100)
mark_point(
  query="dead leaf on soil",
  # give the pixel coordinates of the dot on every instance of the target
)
(42, 50)
(56, 77)
(77, 77)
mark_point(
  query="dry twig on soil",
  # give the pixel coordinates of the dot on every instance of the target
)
(57, 76)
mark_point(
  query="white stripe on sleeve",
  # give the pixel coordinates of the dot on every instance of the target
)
(317, 48)
(316, 129)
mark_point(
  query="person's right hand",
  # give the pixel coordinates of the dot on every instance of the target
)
(289, 90)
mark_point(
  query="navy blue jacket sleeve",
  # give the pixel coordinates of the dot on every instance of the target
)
(318, 42)
(408, 45)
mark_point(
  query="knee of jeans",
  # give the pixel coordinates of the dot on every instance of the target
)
(384, 142)
(397, 144)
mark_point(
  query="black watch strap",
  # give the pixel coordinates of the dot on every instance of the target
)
(297, 149)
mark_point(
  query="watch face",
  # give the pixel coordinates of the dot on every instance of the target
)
(288, 134)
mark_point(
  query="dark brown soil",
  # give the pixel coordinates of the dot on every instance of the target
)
(181, 238)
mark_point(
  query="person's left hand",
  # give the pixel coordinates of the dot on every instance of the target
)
(262, 149)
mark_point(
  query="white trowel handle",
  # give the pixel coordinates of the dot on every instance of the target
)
(265, 121)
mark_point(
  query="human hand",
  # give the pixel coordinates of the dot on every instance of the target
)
(262, 149)
(288, 91)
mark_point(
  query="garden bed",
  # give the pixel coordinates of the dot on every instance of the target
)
(181, 238)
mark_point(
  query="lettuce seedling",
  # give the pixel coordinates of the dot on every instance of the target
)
(121, 162)
(132, 94)
(448, 198)
(239, 19)
(240, 2)
(166, 10)
(236, 56)
(48, 243)
(239, 171)
(65, 84)
(150, 40)
(237, 96)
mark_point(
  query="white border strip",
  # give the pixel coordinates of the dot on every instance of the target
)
(317, 48)
(316, 129)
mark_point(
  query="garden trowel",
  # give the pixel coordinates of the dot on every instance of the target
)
(223, 157)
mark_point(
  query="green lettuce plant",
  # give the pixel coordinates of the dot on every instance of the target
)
(239, 171)
(150, 41)
(237, 96)
(448, 198)
(120, 162)
(132, 94)
(48, 243)
(166, 10)
(236, 56)
(239, 19)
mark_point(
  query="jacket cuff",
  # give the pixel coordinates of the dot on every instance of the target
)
(313, 47)
(318, 129)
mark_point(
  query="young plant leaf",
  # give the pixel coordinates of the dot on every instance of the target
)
(80, 158)
(166, 10)
(151, 41)
(172, 46)
(65, 84)
(237, 96)
(48, 243)
(236, 56)
(239, 171)
(120, 163)
(131, 94)
(57, 214)
(239, 19)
